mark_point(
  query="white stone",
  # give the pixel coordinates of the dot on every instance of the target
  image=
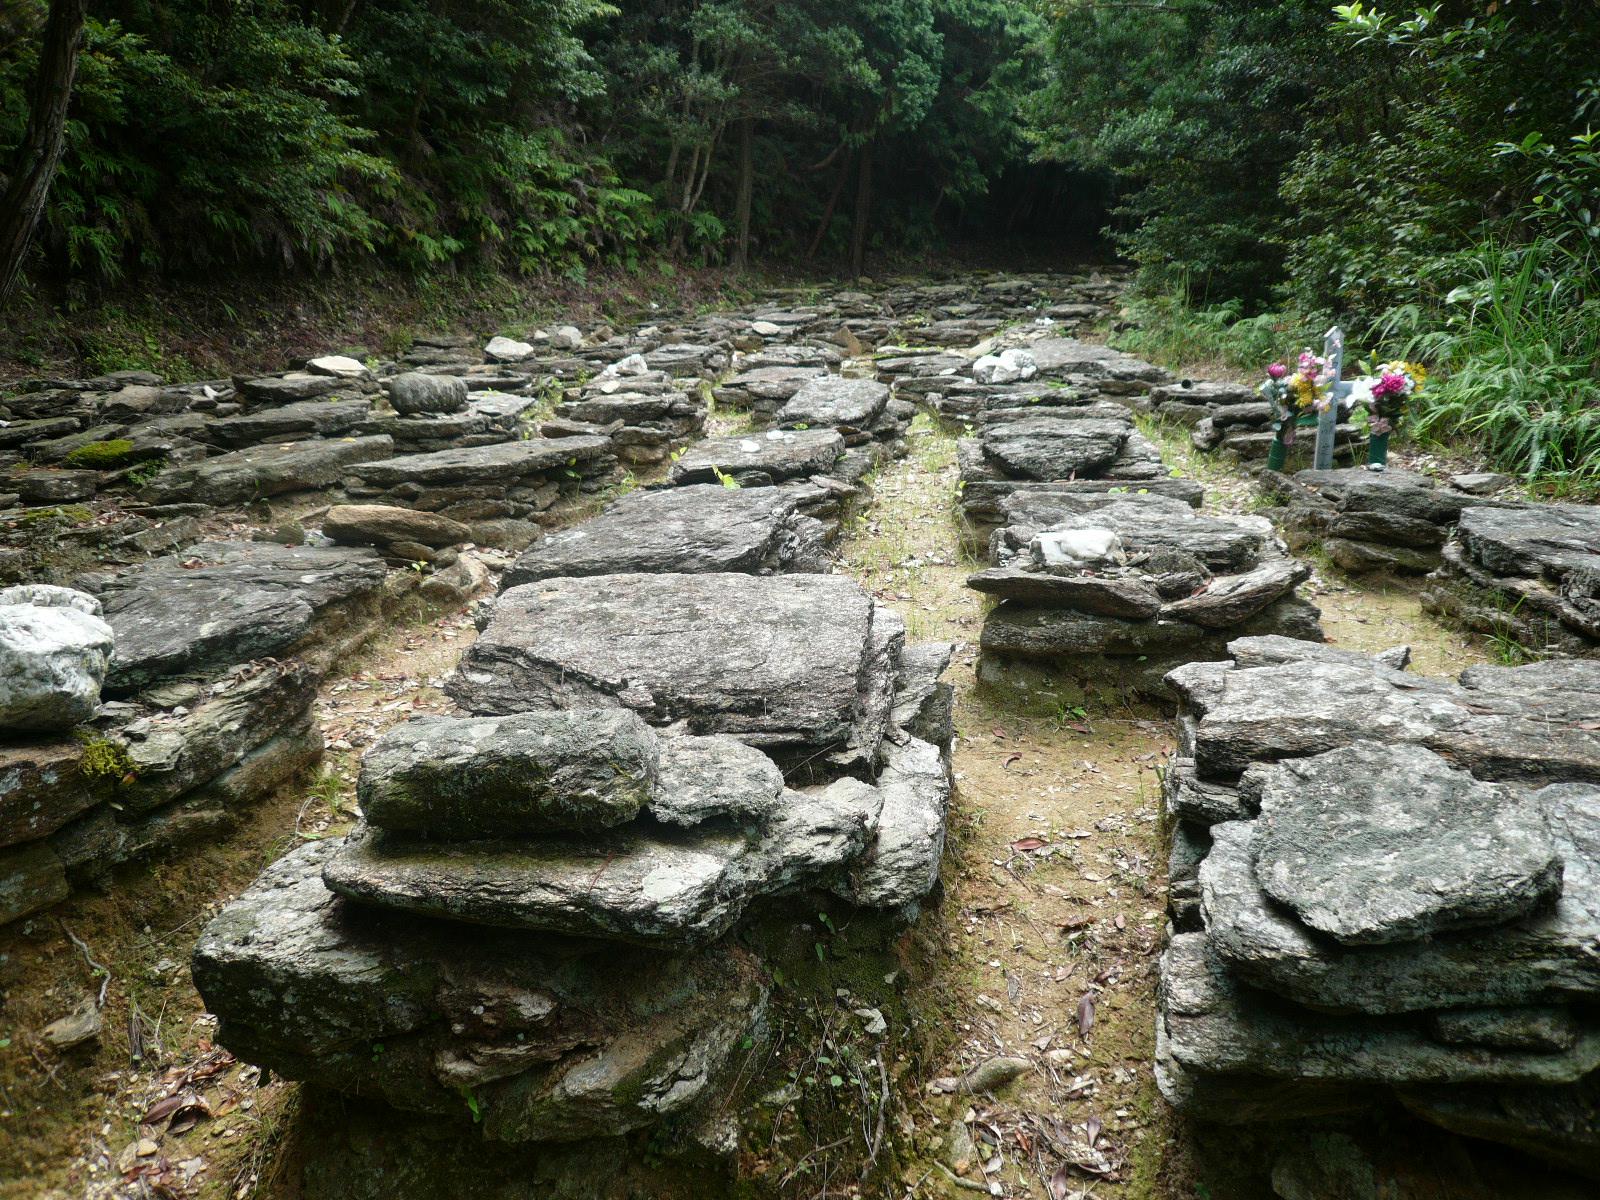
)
(337, 365)
(1009, 366)
(504, 349)
(568, 337)
(1077, 548)
(634, 364)
(49, 596)
(52, 663)
(765, 329)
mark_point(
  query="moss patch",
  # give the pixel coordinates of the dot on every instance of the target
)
(102, 456)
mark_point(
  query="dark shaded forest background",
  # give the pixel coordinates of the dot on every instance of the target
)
(1428, 177)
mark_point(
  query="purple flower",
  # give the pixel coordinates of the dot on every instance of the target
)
(1277, 371)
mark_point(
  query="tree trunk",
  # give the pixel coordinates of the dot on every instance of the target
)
(827, 213)
(858, 236)
(747, 186)
(43, 140)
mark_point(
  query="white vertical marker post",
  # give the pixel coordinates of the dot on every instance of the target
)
(1338, 389)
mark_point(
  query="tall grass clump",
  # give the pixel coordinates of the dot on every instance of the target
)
(1517, 362)
(1171, 330)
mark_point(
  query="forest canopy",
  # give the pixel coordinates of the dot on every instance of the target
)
(524, 134)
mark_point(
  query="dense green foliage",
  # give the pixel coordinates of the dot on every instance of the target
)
(522, 134)
(1425, 176)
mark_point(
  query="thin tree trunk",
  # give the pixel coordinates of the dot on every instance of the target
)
(747, 185)
(858, 236)
(43, 140)
(827, 213)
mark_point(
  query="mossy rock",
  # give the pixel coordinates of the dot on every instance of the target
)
(103, 456)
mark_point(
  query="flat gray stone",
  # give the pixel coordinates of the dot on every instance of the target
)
(1505, 724)
(690, 530)
(1545, 956)
(835, 402)
(245, 475)
(220, 603)
(1105, 595)
(460, 778)
(41, 788)
(1230, 600)
(1213, 1027)
(704, 779)
(901, 867)
(291, 422)
(1047, 448)
(172, 753)
(633, 884)
(1549, 1027)
(556, 1042)
(1275, 651)
(291, 388)
(1151, 525)
(798, 665)
(1380, 843)
(769, 457)
(499, 463)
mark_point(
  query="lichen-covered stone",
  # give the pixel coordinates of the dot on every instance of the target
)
(1353, 859)
(554, 1042)
(460, 778)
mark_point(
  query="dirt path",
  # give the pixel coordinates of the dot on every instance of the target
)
(1054, 890)
(1056, 876)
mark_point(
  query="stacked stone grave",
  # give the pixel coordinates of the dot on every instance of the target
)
(644, 412)
(1386, 891)
(642, 763)
(764, 380)
(1393, 521)
(482, 415)
(815, 464)
(202, 707)
(1112, 590)
(1529, 573)
(1076, 444)
(500, 491)
(1234, 418)
(872, 421)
